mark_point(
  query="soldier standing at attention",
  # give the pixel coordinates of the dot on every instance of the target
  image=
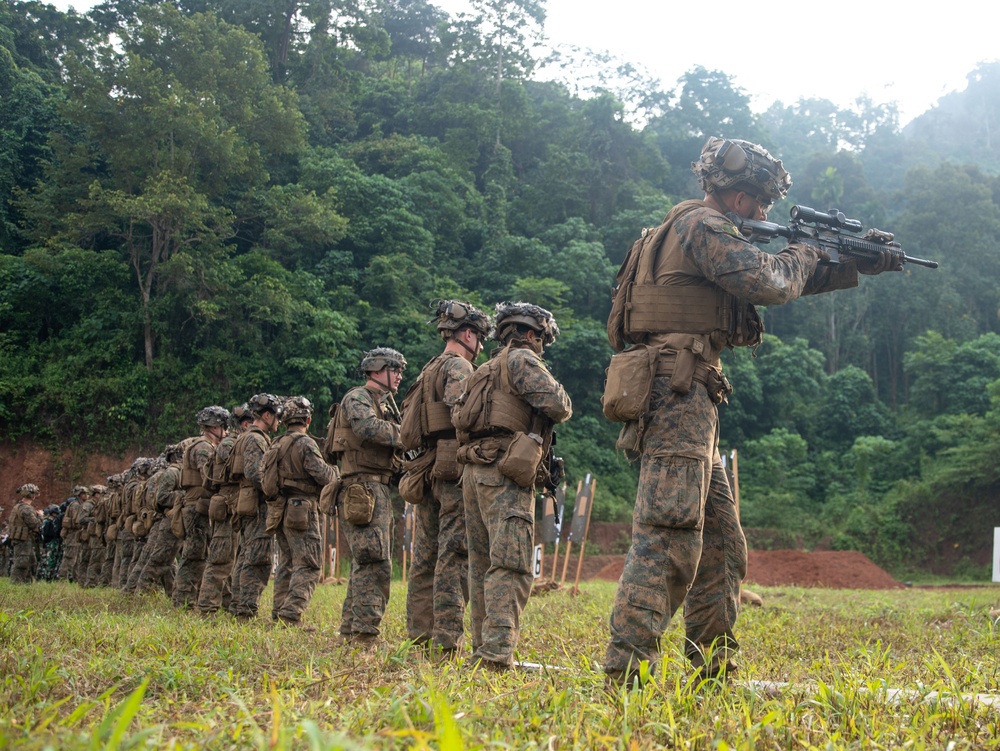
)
(24, 528)
(114, 508)
(95, 534)
(255, 554)
(198, 454)
(301, 475)
(366, 435)
(503, 445)
(155, 567)
(215, 582)
(84, 522)
(706, 279)
(71, 535)
(438, 587)
(51, 544)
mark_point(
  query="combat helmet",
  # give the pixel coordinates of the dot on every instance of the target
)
(99, 489)
(454, 315)
(213, 417)
(261, 403)
(733, 163)
(382, 357)
(510, 314)
(239, 414)
(28, 489)
(80, 490)
(296, 410)
(173, 452)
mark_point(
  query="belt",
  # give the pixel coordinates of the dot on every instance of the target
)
(365, 477)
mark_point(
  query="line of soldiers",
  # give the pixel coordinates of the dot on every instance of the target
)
(202, 520)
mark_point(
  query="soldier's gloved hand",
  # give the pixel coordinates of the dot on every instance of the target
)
(886, 260)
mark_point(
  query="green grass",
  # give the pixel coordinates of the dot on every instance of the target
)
(96, 670)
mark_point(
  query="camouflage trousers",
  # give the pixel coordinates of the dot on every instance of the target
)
(82, 562)
(500, 524)
(107, 568)
(25, 562)
(371, 567)
(438, 587)
(215, 589)
(256, 556)
(155, 567)
(51, 558)
(133, 568)
(123, 556)
(300, 555)
(194, 549)
(71, 552)
(687, 543)
(95, 561)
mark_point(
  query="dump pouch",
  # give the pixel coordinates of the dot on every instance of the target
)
(275, 514)
(297, 514)
(358, 503)
(446, 466)
(629, 383)
(217, 509)
(520, 463)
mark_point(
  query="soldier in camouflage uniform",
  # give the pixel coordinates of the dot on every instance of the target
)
(438, 587)
(255, 554)
(366, 435)
(85, 522)
(500, 513)
(71, 536)
(24, 527)
(114, 506)
(687, 543)
(216, 588)
(301, 475)
(51, 544)
(95, 536)
(195, 466)
(142, 527)
(133, 498)
(155, 567)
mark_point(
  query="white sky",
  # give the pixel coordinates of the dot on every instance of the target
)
(911, 53)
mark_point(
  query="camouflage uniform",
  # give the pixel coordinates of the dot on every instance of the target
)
(125, 537)
(369, 422)
(111, 530)
(71, 540)
(85, 520)
(687, 543)
(51, 544)
(255, 556)
(24, 527)
(500, 515)
(194, 549)
(95, 535)
(302, 473)
(438, 586)
(156, 565)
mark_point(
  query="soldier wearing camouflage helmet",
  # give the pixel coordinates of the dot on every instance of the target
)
(71, 533)
(510, 404)
(438, 585)
(216, 581)
(213, 423)
(366, 438)
(693, 295)
(301, 474)
(114, 504)
(95, 534)
(254, 554)
(51, 543)
(133, 495)
(85, 526)
(155, 567)
(24, 527)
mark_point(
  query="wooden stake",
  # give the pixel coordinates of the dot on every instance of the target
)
(569, 542)
(583, 545)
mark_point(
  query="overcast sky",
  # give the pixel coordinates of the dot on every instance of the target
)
(909, 53)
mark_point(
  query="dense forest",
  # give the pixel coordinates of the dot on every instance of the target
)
(204, 199)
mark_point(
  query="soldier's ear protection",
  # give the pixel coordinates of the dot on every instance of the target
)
(731, 158)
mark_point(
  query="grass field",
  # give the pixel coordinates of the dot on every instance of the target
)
(96, 670)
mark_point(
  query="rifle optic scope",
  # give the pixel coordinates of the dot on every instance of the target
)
(833, 218)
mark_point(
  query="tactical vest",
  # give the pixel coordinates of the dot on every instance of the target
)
(641, 307)
(426, 416)
(19, 531)
(293, 480)
(191, 477)
(490, 407)
(235, 467)
(219, 472)
(360, 456)
(70, 517)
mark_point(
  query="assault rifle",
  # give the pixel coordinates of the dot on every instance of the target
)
(830, 232)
